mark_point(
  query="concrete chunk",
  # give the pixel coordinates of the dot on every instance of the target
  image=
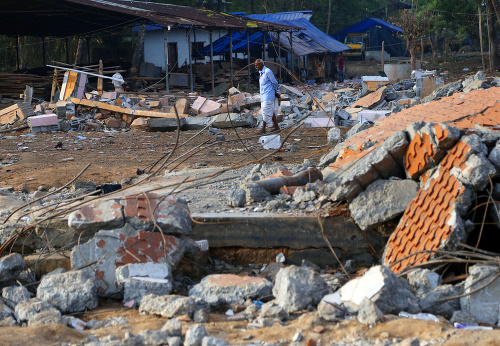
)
(69, 292)
(484, 304)
(368, 312)
(383, 288)
(14, 295)
(297, 287)
(229, 120)
(167, 305)
(334, 135)
(431, 301)
(165, 124)
(52, 316)
(10, 266)
(31, 307)
(231, 289)
(423, 281)
(382, 201)
(330, 307)
(477, 172)
(195, 335)
(135, 288)
(293, 92)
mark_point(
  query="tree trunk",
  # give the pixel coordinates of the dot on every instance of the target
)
(435, 44)
(252, 6)
(79, 51)
(329, 17)
(446, 46)
(492, 36)
(496, 7)
(292, 5)
(413, 54)
(139, 47)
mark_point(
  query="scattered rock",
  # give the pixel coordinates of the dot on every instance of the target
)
(195, 335)
(10, 266)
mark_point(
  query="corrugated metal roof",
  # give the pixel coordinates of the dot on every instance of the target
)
(275, 17)
(166, 14)
(365, 25)
(62, 18)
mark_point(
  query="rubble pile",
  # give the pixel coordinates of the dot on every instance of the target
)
(413, 179)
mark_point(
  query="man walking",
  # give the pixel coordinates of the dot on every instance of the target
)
(269, 96)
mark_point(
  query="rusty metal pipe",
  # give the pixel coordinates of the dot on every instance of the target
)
(273, 185)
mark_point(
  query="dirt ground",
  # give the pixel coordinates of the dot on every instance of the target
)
(114, 156)
(393, 330)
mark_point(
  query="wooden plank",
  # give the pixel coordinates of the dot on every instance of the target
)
(117, 109)
(16, 112)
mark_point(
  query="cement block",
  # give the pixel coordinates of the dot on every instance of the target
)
(167, 305)
(293, 92)
(209, 107)
(195, 123)
(232, 289)
(225, 120)
(382, 201)
(383, 288)
(69, 292)
(101, 215)
(165, 124)
(135, 288)
(484, 304)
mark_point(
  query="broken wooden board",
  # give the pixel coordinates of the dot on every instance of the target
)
(118, 109)
(19, 111)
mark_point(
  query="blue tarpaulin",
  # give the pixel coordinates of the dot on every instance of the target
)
(306, 41)
(379, 31)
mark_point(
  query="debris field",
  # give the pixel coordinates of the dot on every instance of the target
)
(393, 215)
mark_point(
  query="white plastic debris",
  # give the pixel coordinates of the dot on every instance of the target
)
(270, 142)
(420, 316)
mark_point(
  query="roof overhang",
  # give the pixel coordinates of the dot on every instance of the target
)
(62, 18)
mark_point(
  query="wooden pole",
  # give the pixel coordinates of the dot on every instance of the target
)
(99, 79)
(248, 57)
(481, 35)
(54, 86)
(18, 63)
(231, 52)
(383, 55)
(191, 82)
(489, 40)
(43, 51)
(212, 63)
(165, 49)
(421, 52)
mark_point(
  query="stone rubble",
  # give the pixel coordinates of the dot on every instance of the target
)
(419, 184)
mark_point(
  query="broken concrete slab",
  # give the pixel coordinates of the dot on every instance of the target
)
(10, 266)
(196, 123)
(5, 311)
(173, 327)
(372, 99)
(297, 287)
(69, 292)
(230, 120)
(166, 124)
(167, 305)
(429, 144)
(237, 198)
(144, 211)
(135, 288)
(115, 248)
(484, 304)
(356, 129)
(291, 91)
(231, 289)
(383, 288)
(255, 193)
(382, 201)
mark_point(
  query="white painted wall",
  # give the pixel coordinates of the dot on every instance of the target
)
(154, 51)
